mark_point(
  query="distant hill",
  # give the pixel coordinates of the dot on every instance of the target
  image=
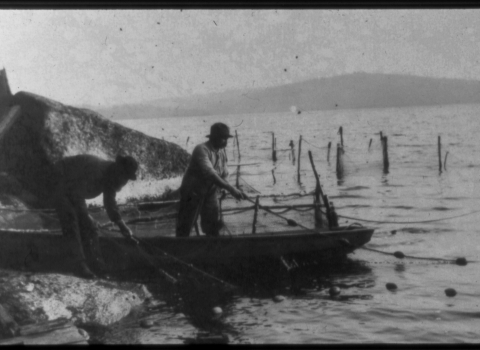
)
(358, 90)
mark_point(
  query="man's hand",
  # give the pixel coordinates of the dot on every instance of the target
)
(126, 232)
(237, 193)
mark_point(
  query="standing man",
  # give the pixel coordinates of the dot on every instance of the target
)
(205, 175)
(85, 177)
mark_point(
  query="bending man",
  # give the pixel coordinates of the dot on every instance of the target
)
(205, 175)
(85, 177)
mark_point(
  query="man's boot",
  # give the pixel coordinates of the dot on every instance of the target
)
(96, 259)
(100, 268)
(84, 271)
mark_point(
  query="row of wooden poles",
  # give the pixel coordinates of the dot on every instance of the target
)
(341, 152)
(331, 218)
(339, 155)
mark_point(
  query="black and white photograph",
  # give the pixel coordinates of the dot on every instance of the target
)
(262, 176)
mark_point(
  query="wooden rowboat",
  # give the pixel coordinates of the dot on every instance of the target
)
(44, 250)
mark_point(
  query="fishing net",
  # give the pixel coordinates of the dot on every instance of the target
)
(152, 219)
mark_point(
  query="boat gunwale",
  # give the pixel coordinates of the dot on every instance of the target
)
(269, 235)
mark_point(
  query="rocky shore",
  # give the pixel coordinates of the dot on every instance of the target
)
(35, 132)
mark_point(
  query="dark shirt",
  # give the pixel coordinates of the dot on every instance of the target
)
(88, 176)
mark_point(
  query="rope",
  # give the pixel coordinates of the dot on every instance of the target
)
(145, 256)
(171, 257)
(289, 221)
(303, 139)
(400, 255)
(409, 222)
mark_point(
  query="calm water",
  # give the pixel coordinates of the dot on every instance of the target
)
(412, 192)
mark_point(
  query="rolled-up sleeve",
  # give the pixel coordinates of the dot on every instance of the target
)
(224, 160)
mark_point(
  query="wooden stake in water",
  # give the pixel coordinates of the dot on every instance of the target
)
(255, 214)
(318, 194)
(273, 174)
(329, 212)
(328, 152)
(292, 147)
(299, 153)
(340, 131)
(339, 161)
(370, 144)
(439, 154)
(237, 181)
(386, 163)
(274, 151)
(445, 161)
(238, 145)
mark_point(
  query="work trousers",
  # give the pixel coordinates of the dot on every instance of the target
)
(193, 205)
(79, 230)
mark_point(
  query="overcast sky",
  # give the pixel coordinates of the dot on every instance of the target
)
(105, 57)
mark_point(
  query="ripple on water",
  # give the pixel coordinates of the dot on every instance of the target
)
(356, 188)
(406, 207)
(414, 230)
(442, 208)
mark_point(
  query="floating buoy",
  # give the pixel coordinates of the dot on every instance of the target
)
(278, 298)
(334, 291)
(450, 292)
(391, 286)
(217, 311)
(461, 261)
(147, 323)
(399, 254)
(393, 232)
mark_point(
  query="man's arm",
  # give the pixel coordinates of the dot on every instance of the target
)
(200, 155)
(113, 213)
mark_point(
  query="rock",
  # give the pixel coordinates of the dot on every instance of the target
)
(29, 287)
(5, 93)
(278, 298)
(84, 333)
(55, 295)
(45, 131)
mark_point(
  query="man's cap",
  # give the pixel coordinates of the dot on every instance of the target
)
(219, 130)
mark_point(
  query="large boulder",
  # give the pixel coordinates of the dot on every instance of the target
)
(40, 131)
(5, 93)
(33, 298)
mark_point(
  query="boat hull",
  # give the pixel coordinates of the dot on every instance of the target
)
(48, 252)
(224, 249)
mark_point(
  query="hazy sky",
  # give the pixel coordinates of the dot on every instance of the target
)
(104, 57)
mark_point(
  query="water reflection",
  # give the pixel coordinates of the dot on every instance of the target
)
(261, 284)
